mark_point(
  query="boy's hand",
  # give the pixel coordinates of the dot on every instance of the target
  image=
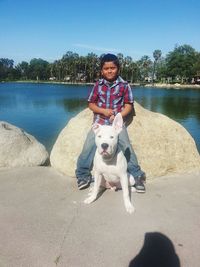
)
(108, 112)
(112, 118)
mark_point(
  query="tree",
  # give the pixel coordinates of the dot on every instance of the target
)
(157, 55)
(38, 69)
(183, 63)
(23, 69)
(197, 64)
(180, 63)
(121, 61)
(69, 66)
(126, 69)
(91, 67)
(145, 66)
(135, 72)
(161, 70)
(6, 67)
(82, 66)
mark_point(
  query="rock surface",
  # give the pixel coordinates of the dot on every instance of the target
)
(162, 145)
(18, 148)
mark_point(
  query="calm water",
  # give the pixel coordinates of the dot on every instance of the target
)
(44, 109)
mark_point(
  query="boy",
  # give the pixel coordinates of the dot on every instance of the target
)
(110, 95)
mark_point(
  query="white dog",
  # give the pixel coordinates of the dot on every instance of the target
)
(110, 165)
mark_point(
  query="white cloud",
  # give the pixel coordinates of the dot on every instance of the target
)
(96, 48)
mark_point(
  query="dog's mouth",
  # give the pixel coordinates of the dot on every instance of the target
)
(105, 153)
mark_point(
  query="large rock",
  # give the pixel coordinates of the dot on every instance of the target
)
(162, 145)
(18, 148)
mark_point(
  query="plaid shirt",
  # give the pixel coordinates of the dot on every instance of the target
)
(113, 96)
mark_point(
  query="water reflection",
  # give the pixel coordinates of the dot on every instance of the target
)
(174, 107)
(180, 108)
(180, 105)
(72, 104)
(177, 105)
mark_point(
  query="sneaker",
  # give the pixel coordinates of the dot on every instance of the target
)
(83, 183)
(139, 184)
(92, 179)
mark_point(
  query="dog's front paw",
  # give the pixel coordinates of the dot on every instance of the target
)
(129, 208)
(133, 189)
(89, 200)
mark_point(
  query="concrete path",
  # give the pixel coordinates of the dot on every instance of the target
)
(44, 223)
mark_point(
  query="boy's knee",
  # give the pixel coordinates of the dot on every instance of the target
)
(127, 154)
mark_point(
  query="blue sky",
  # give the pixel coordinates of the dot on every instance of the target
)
(48, 29)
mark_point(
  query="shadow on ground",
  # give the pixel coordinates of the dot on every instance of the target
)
(157, 251)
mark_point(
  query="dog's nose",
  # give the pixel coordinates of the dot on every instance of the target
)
(104, 146)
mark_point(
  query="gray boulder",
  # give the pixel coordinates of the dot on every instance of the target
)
(162, 145)
(18, 148)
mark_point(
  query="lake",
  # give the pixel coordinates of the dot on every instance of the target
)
(43, 110)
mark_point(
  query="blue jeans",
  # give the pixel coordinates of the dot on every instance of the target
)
(85, 159)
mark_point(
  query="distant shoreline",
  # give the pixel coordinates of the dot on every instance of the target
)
(174, 86)
(157, 85)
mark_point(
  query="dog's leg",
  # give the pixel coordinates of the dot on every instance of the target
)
(131, 183)
(95, 189)
(124, 183)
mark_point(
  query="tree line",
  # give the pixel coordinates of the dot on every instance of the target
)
(181, 65)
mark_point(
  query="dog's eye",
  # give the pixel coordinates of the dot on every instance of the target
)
(99, 136)
(111, 137)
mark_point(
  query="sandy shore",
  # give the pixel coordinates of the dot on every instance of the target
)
(44, 222)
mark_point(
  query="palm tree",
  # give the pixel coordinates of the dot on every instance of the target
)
(144, 65)
(92, 66)
(121, 61)
(156, 54)
(126, 74)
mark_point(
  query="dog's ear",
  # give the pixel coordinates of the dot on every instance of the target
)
(118, 123)
(96, 127)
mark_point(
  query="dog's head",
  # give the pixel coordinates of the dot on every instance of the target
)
(106, 136)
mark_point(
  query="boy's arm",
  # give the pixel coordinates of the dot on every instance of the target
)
(106, 112)
(128, 107)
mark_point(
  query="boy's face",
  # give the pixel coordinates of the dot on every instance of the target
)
(109, 71)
